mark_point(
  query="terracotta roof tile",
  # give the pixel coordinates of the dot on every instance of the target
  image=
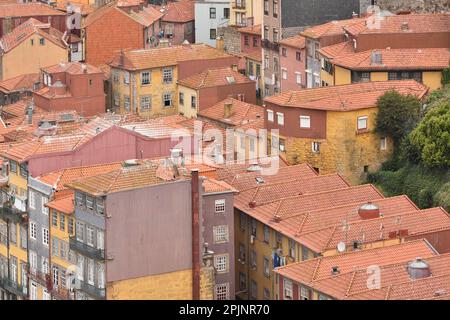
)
(331, 28)
(179, 11)
(169, 56)
(84, 8)
(295, 42)
(214, 78)
(147, 16)
(336, 50)
(396, 59)
(21, 82)
(255, 55)
(31, 9)
(346, 97)
(72, 68)
(215, 186)
(254, 29)
(63, 204)
(241, 112)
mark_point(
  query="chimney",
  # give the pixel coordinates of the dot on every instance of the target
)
(121, 58)
(30, 113)
(354, 15)
(227, 107)
(220, 43)
(376, 58)
(195, 235)
(369, 211)
(405, 26)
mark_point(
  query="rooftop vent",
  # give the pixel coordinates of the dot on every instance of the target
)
(418, 269)
(335, 270)
(276, 218)
(130, 163)
(440, 292)
(252, 204)
(369, 211)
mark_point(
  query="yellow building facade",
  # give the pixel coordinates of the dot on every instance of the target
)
(242, 10)
(186, 96)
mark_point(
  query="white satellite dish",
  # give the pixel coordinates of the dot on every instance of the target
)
(341, 246)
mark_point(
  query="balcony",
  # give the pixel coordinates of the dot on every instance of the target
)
(239, 5)
(13, 287)
(61, 293)
(270, 45)
(12, 214)
(38, 276)
(92, 291)
(86, 250)
(4, 181)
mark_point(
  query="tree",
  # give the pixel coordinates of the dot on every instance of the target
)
(397, 115)
(431, 138)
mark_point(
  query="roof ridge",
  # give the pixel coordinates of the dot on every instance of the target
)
(302, 224)
(352, 280)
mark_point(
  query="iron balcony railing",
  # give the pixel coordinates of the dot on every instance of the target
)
(86, 250)
(91, 290)
(12, 214)
(14, 287)
(38, 275)
(61, 293)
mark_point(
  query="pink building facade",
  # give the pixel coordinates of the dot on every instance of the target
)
(292, 62)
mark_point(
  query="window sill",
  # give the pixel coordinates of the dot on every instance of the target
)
(362, 131)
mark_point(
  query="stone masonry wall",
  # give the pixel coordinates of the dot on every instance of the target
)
(409, 5)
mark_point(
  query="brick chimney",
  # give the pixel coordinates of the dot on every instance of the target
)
(227, 108)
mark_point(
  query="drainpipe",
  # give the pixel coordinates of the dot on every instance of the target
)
(195, 235)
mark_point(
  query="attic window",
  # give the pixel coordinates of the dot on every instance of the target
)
(231, 79)
(259, 180)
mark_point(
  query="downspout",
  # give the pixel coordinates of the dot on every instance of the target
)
(195, 235)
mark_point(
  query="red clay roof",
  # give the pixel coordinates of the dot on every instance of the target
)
(179, 11)
(216, 186)
(295, 42)
(147, 16)
(26, 29)
(214, 78)
(84, 8)
(346, 97)
(331, 28)
(316, 273)
(254, 29)
(336, 50)
(21, 82)
(63, 204)
(169, 56)
(31, 9)
(72, 68)
(255, 55)
(417, 23)
(396, 59)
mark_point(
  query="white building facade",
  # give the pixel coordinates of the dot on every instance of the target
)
(210, 15)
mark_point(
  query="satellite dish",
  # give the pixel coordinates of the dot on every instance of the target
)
(341, 246)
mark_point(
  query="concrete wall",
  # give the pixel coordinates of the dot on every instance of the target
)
(231, 38)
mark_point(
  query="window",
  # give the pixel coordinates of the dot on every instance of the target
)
(270, 115)
(280, 118)
(116, 75)
(101, 275)
(305, 253)
(255, 42)
(266, 7)
(266, 269)
(63, 279)
(242, 253)
(33, 232)
(54, 218)
(116, 99)
(275, 35)
(70, 226)
(220, 234)
(246, 42)
(167, 100)
(33, 261)
(45, 236)
(181, 98)
(383, 143)
(146, 103)
(305, 122)
(23, 237)
(79, 197)
(315, 146)
(266, 62)
(33, 293)
(287, 292)
(212, 34)
(42, 41)
(193, 102)
(266, 294)
(145, 78)
(253, 261)
(275, 64)
(242, 221)
(91, 267)
(13, 166)
(32, 200)
(62, 222)
(212, 13)
(13, 232)
(254, 290)
(275, 8)
(291, 248)
(126, 102)
(80, 267)
(62, 249)
(126, 77)
(298, 78)
(221, 263)
(252, 144)
(284, 73)
(55, 248)
(226, 13)
(219, 206)
(221, 291)
(242, 281)
(366, 169)
(90, 236)
(298, 56)
(80, 231)
(304, 293)
(362, 123)
(266, 234)
(89, 202)
(43, 203)
(167, 75)
(100, 240)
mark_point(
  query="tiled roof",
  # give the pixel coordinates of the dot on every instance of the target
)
(72, 68)
(317, 273)
(214, 78)
(24, 81)
(26, 29)
(346, 97)
(31, 9)
(255, 55)
(331, 28)
(254, 29)
(396, 59)
(295, 42)
(336, 50)
(63, 204)
(241, 112)
(169, 56)
(84, 8)
(215, 186)
(179, 11)
(19, 107)
(98, 13)
(147, 16)
(417, 23)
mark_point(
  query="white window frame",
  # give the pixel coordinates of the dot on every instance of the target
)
(45, 236)
(315, 147)
(288, 292)
(219, 206)
(280, 116)
(90, 234)
(304, 293)
(298, 78)
(284, 73)
(270, 115)
(33, 290)
(44, 201)
(383, 143)
(221, 263)
(365, 120)
(305, 122)
(221, 234)
(32, 201)
(33, 230)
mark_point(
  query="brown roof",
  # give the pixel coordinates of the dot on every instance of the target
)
(336, 50)
(21, 82)
(254, 29)
(63, 204)
(241, 112)
(147, 16)
(396, 59)
(423, 23)
(169, 56)
(214, 78)
(31, 9)
(179, 11)
(316, 273)
(331, 28)
(28, 28)
(346, 97)
(72, 68)
(295, 42)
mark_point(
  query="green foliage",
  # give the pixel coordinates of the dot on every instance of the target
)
(397, 115)
(431, 138)
(442, 197)
(446, 76)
